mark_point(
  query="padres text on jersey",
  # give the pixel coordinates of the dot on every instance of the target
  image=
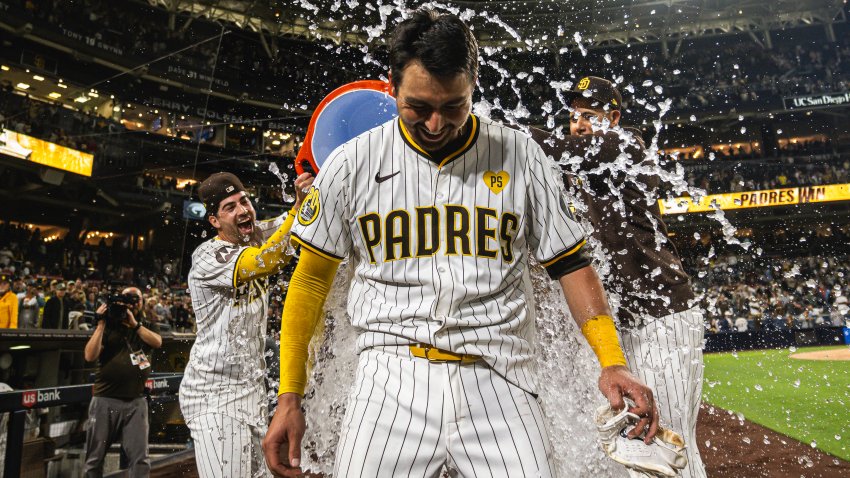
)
(440, 244)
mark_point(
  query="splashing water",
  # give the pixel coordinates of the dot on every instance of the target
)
(567, 369)
(283, 179)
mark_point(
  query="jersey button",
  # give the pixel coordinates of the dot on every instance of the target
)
(441, 269)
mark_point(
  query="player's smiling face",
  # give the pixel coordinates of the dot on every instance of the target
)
(235, 218)
(433, 109)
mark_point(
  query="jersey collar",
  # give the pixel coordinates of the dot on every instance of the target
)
(453, 150)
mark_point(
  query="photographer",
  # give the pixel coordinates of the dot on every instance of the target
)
(121, 344)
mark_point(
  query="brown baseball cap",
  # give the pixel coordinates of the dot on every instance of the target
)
(598, 89)
(216, 187)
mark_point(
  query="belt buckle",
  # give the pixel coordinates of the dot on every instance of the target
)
(428, 348)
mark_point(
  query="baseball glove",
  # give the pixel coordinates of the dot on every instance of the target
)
(665, 456)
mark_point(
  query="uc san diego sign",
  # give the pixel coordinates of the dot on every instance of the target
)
(825, 100)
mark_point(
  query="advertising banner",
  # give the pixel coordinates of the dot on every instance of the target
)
(825, 100)
(756, 199)
(43, 152)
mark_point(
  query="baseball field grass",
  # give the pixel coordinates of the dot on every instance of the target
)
(808, 400)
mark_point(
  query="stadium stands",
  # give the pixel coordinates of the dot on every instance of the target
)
(178, 96)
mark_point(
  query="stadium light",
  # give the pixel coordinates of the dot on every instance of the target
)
(4, 68)
(22, 86)
(62, 85)
(37, 77)
(55, 95)
(19, 347)
(82, 99)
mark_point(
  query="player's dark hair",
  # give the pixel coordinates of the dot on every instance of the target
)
(441, 42)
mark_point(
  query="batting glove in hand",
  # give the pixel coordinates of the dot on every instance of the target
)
(665, 456)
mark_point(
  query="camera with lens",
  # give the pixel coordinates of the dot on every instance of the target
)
(116, 307)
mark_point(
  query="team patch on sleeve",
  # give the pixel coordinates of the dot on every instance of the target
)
(310, 208)
(224, 253)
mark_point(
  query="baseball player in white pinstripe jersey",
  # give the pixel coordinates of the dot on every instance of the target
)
(223, 393)
(439, 211)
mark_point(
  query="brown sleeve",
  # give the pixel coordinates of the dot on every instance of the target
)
(609, 147)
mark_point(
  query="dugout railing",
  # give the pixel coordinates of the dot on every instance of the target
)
(17, 403)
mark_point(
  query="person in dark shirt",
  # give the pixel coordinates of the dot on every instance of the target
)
(610, 174)
(118, 409)
(56, 310)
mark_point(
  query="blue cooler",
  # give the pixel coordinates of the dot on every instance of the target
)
(847, 335)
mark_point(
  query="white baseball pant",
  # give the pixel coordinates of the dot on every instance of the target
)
(410, 417)
(666, 353)
(226, 447)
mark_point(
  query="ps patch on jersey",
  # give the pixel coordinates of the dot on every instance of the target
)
(310, 209)
(496, 181)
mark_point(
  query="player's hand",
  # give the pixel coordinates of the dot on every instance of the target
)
(285, 431)
(616, 383)
(302, 186)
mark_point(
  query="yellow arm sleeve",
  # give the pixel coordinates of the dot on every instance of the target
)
(308, 289)
(257, 262)
(601, 334)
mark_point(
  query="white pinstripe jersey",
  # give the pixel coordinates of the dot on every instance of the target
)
(441, 245)
(226, 369)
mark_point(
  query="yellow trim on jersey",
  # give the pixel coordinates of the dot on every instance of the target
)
(409, 140)
(562, 255)
(310, 247)
(473, 135)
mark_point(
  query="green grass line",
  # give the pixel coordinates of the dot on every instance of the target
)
(807, 400)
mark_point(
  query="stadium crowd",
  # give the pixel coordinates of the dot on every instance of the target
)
(773, 293)
(49, 121)
(77, 276)
(783, 172)
(735, 73)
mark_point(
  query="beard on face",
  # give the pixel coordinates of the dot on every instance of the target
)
(253, 238)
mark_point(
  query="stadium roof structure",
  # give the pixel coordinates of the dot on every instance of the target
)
(527, 23)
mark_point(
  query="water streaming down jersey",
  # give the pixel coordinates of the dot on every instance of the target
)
(224, 382)
(441, 248)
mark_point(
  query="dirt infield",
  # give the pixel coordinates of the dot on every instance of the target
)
(739, 448)
(731, 448)
(837, 354)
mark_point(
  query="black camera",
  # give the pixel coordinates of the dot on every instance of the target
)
(117, 305)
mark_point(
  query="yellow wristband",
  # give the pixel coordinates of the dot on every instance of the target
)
(601, 335)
